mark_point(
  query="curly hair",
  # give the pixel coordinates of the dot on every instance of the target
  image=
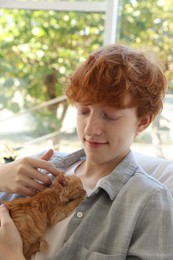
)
(114, 71)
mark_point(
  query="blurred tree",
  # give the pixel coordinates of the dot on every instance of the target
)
(40, 49)
(149, 23)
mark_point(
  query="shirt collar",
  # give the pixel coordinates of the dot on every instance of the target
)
(120, 175)
(112, 183)
(64, 160)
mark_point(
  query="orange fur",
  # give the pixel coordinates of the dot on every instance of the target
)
(33, 215)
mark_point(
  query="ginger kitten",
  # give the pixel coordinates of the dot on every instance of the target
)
(34, 215)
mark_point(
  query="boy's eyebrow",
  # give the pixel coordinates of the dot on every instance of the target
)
(83, 104)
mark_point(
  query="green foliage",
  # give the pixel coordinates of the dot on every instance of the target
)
(149, 23)
(44, 122)
(40, 49)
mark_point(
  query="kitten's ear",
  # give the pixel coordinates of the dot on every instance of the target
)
(60, 180)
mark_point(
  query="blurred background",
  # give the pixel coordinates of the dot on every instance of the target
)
(41, 44)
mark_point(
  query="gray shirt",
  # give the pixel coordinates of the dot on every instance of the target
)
(128, 216)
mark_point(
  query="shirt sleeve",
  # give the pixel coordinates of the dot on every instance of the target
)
(4, 196)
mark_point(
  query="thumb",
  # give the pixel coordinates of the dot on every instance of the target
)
(46, 156)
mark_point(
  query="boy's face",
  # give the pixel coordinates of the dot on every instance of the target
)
(106, 132)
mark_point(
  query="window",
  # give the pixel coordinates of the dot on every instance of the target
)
(41, 44)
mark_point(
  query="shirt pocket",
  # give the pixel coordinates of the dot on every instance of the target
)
(84, 253)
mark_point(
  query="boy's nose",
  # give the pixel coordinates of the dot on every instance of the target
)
(93, 126)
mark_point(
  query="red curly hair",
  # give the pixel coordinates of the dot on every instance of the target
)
(114, 71)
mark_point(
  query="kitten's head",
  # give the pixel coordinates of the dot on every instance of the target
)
(69, 187)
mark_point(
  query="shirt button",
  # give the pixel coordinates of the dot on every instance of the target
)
(79, 214)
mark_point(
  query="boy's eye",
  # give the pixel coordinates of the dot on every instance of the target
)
(106, 116)
(110, 117)
(83, 111)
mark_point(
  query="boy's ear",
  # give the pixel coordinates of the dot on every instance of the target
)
(144, 122)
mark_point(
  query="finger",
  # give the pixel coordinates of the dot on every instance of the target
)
(27, 191)
(4, 214)
(53, 170)
(35, 185)
(41, 177)
(34, 180)
(46, 156)
(45, 165)
(30, 188)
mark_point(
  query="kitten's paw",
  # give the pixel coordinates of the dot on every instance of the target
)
(43, 245)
